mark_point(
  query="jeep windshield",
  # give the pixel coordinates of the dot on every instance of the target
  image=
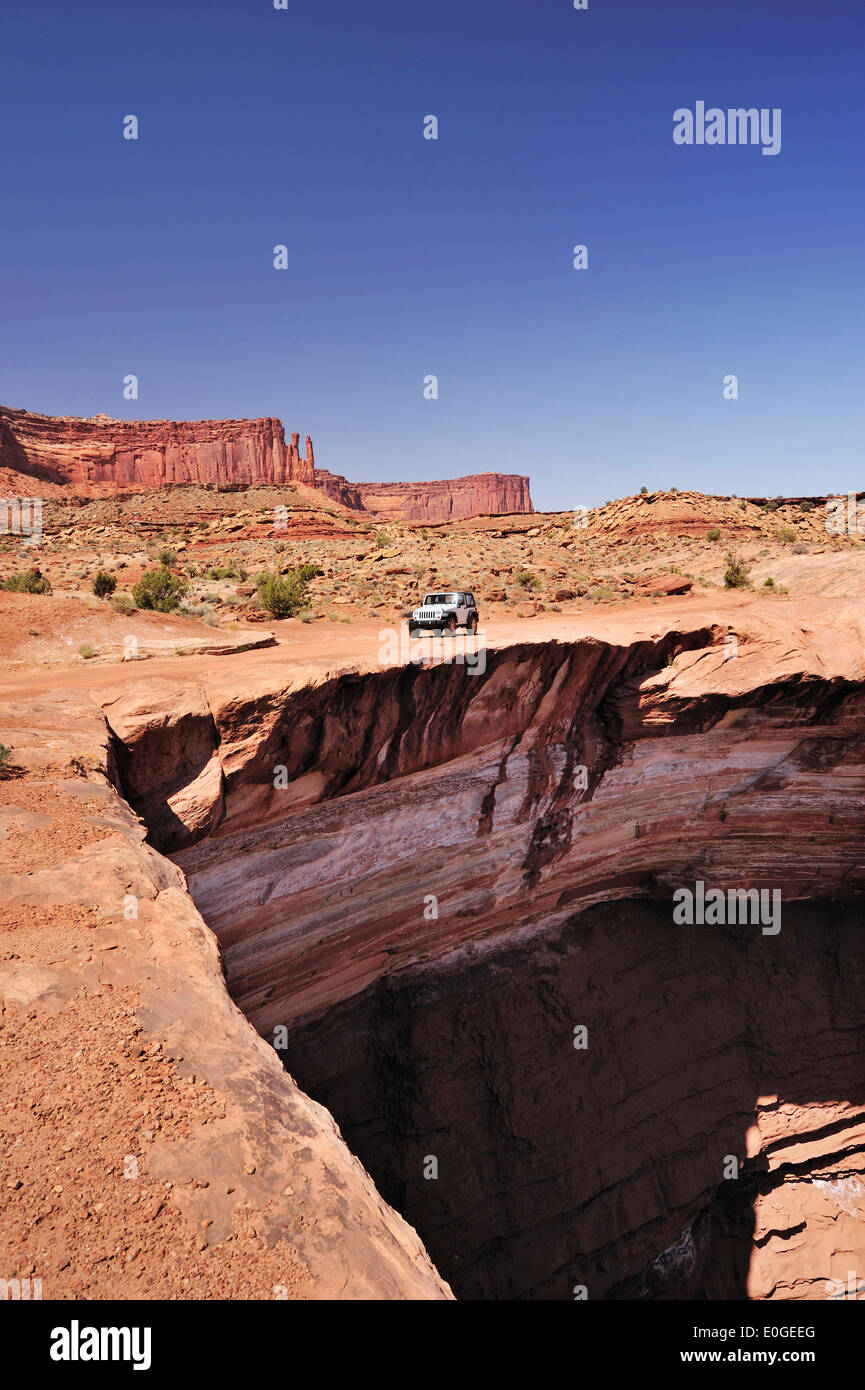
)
(440, 598)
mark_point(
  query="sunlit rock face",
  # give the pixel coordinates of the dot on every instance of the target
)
(104, 455)
(451, 499)
(429, 878)
(99, 456)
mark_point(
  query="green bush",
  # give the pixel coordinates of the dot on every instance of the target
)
(644, 491)
(5, 760)
(282, 596)
(713, 535)
(769, 583)
(86, 651)
(736, 575)
(104, 584)
(159, 590)
(526, 580)
(307, 572)
(806, 506)
(122, 603)
(30, 582)
(786, 534)
(382, 538)
(167, 558)
(230, 571)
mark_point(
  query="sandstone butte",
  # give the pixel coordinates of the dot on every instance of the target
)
(97, 456)
(551, 803)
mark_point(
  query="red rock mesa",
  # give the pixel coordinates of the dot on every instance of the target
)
(482, 494)
(102, 456)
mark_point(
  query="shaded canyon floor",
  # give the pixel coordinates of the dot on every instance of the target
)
(603, 1166)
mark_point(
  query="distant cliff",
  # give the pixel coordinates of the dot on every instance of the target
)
(99, 456)
(481, 494)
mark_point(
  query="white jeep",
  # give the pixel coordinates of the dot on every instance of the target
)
(446, 611)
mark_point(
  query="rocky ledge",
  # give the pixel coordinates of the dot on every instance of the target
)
(425, 881)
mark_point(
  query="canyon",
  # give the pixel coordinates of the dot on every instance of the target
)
(425, 882)
(369, 963)
(100, 457)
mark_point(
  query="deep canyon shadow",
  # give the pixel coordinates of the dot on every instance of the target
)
(601, 1166)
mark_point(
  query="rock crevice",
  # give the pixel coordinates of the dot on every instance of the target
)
(452, 872)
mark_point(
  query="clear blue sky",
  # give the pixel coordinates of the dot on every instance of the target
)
(409, 257)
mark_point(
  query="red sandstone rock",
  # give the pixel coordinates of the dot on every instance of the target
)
(339, 489)
(101, 454)
(225, 1138)
(668, 584)
(481, 494)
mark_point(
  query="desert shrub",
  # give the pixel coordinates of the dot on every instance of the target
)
(104, 584)
(800, 548)
(806, 506)
(382, 538)
(736, 575)
(5, 760)
(713, 535)
(771, 505)
(122, 603)
(230, 571)
(769, 583)
(743, 506)
(30, 582)
(785, 534)
(644, 491)
(526, 580)
(159, 590)
(167, 557)
(282, 595)
(86, 651)
(307, 572)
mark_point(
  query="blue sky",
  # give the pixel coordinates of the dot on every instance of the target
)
(303, 127)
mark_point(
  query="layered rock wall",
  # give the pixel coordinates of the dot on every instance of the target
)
(431, 878)
(481, 494)
(609, 1166)
(100, 456)
(96, 923)
(103, 455)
